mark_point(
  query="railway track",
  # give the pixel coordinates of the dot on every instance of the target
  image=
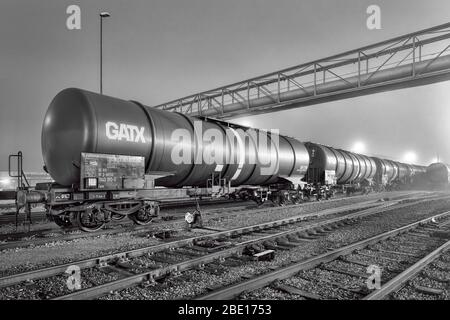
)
(398, 254)
(146, 265)
(9, 216)
(421, 278)
(40, 237)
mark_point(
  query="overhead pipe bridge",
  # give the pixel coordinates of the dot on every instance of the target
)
(410, 60)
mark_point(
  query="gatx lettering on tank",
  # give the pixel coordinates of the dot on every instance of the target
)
(122, 131)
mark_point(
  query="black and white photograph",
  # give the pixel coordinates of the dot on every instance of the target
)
(259, 153)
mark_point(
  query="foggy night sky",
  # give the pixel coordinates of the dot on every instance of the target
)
(159, 50)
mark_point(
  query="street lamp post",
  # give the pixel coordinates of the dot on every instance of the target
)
(102, 15)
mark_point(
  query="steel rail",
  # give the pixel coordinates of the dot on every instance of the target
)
(128, 226)
(92, 262)
(235, 290)
(97, 291)
(401, 279)
(211, 214)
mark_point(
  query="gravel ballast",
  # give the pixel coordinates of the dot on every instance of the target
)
(198, 282)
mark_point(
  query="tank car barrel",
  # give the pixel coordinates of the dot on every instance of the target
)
(81, 121)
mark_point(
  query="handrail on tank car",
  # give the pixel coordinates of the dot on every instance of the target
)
(20, 175)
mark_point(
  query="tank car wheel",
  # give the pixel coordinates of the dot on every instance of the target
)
(87, 220)
(144, 215)
(117, 217)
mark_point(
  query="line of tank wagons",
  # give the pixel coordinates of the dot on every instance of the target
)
(333, 170)
(80, 123)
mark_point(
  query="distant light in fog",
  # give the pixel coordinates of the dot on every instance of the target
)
(359, 147)
(5, 181)
(410, 157)
(434, 160)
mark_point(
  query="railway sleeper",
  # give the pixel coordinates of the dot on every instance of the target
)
(346, 272)
(118, 270)
(329, 228)
(428, 290)
(204, 249)
(295, 291)
(262, 232)
(306, 238)
(166, 259)
(309, 235)
(152, 266)
(441, 235)
(314, 232)
(420, 234)
(412, 243)
(321, 232)
(286, 243)
(431, 228)
(397, 252)
(214, 269)
(166, 234)
(124, 264)
(275, 246)
(398, 260)
(416, 247)
(188, 252)
(295, 240)
(354, 261)
(360, 290)
(231, 263)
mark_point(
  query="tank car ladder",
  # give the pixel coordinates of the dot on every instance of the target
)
(22, 184)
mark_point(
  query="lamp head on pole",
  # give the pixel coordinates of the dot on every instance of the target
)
(104, 14)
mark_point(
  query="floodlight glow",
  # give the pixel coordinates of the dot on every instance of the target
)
(410, 157)
(359, 147)
(434, 160)
(5, 181)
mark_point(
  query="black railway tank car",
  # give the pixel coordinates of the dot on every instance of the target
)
(334, 166)
(438, 173)
(81, 121)
(107, 157)
(385, 171)
(390, 173)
